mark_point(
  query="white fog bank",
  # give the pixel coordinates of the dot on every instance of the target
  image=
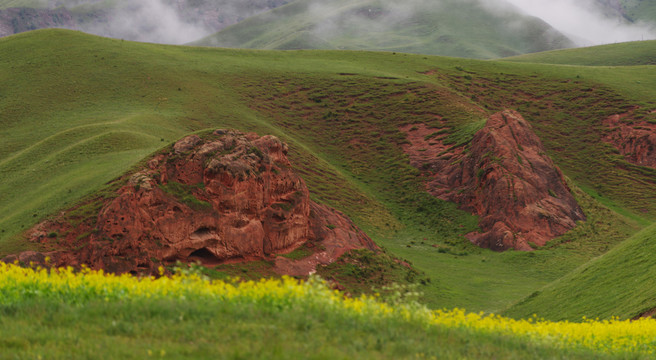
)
(584, 23)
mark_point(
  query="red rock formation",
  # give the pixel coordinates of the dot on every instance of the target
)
(504, 177)
(225, 197)
(636, 141)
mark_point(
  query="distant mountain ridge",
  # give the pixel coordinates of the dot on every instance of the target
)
(443, 27)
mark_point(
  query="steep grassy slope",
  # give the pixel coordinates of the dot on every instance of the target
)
(78, 110)
(442, 28)
(620, 283)
(625, 54)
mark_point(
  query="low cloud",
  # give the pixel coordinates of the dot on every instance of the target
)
(148, 21)
(162, 21)
(357, 19)
(585, 22)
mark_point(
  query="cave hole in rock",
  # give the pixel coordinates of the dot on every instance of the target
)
(204, 256)
(240, 223)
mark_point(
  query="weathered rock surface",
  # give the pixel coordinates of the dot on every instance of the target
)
(225, 197)
(504, 177)
(636, 141)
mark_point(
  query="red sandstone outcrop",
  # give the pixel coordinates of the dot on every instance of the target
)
(504, 177)
(225, 197)
(636, 141)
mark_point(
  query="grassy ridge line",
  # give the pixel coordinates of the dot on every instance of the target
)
(620, 283)
(25, 289)
(624, 54)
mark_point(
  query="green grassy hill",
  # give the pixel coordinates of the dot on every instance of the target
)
(79, 110)
(624, 54)
(620, 283)
(444, 28)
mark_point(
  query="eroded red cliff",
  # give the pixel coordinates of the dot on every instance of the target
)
(223, 197)
(504, 177)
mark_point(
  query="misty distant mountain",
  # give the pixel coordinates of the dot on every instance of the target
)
(472, 29)
(161, 21)
(629, 10)
(596, 22)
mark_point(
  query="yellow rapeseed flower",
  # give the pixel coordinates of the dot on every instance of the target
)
(69, 286)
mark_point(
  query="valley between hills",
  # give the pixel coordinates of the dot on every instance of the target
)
(517, 186)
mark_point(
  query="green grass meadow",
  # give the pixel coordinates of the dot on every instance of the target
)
(618, 283)
(624, 54)
(196, 329)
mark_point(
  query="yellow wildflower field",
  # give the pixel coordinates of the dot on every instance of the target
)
(614, 336)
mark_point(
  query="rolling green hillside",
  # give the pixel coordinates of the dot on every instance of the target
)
(620, 283)
(624, 54)
(443, 28)
(79, 110)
